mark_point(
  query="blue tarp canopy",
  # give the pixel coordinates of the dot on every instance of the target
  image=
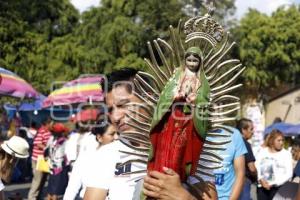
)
(286, 128)
(29, 115)
(31, 106)
(294, 130)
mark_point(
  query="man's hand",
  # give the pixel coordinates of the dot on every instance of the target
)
(165, 186)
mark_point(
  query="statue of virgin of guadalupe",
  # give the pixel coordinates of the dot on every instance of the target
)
(187, 99)
(175, 140)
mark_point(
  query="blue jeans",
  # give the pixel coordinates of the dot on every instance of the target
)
(245, 194)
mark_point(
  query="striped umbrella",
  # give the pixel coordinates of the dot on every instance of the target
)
(84, 89)
(14, 86)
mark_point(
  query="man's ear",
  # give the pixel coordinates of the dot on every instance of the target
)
(99, 138)
(243, 129)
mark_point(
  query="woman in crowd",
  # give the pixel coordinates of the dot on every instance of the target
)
(58, 178)
(274, 166)
(105, 133)
(10, 151)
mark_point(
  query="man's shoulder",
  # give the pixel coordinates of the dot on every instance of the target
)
(106, 155)
(235, 133)
(111, 147)
(247, 144)
(228, 129)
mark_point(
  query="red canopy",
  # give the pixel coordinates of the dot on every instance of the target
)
(86, 115)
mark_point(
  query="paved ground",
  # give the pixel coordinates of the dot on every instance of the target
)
(12, 191)
(17, 191)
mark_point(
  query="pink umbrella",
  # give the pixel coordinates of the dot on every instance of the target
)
(14, 86)
(85, 89)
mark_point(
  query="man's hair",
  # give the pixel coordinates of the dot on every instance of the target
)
(277, 120)
(120, 77)
(243, 124)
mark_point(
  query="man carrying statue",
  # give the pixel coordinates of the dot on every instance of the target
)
(167, 118)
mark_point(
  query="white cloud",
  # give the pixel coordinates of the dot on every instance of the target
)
(264, 6)
(83, 5)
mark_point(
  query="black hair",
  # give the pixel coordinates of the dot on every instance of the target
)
(47, 121)
(23, 134)
(33, 125)
(296, 142)
(119, 77)
(243, 124)
(277, 120)
(101, 127)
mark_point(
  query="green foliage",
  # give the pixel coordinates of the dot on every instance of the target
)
(46, 41)
(269, 47)
(27, 31)
(223, 13)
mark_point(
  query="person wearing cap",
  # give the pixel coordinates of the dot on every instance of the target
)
(39, 146)
(58, 178)
(10, 151)
(105, 133)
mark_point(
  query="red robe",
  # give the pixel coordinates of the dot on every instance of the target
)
(176, 144)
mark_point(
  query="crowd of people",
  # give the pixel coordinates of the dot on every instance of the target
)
(85, 162)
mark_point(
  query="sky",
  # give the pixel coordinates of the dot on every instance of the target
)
(265, 6)
(83, 5)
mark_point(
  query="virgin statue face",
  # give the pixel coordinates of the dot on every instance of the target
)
(192, 63)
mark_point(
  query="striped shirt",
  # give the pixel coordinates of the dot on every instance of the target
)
(41, 137)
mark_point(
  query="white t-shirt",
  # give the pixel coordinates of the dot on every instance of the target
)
(88, 142)
(80, 168)
(275, 168)
(1, 185)
(105, 174)
(77, 143)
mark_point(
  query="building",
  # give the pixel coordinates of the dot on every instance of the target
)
(285, 105)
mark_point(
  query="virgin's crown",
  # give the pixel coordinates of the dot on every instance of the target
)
(204, 24)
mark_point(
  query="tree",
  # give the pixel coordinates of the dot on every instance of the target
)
(117, 32)
(27, 30)
(45, 41)
(223, 13)
(269, 47)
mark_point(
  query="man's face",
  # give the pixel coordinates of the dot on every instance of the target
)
(248, 132)
(116, 101)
